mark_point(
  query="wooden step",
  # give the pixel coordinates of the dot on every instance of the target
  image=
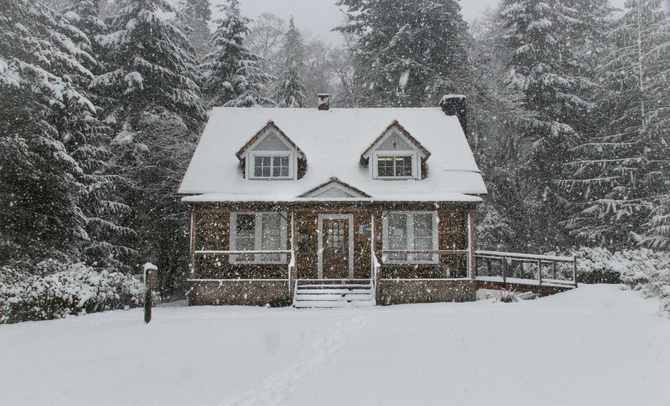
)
(332, 295)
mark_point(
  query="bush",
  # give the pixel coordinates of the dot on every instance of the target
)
(74, 289)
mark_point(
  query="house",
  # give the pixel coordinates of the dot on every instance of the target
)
(334, 206)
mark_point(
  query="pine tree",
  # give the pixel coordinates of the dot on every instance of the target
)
(196, 14)
(289, 90)
(233, 75)
(552, 44)
(54, 197)
(408, 53)
(622, 172)
(150, 66)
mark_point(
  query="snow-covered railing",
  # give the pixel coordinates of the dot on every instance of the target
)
(545, 270)
(385, 254)
(290, 265)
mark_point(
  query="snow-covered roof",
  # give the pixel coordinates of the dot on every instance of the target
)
(332, 142)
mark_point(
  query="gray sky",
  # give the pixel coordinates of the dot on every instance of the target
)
(320, 16)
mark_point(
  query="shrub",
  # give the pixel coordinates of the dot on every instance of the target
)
(74, 289)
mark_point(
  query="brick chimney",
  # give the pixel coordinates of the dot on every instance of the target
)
(324, 101)
(454, 105)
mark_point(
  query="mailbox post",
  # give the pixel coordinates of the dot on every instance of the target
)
(150, 282)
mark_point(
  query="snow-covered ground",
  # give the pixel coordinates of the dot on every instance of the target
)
(596, 345)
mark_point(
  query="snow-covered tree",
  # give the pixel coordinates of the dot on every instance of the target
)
(552, 44)
(150, 66)
(196, 14)
(408, 53)
(233, 75)
(54, 196)
(289, 89)
(622, 172)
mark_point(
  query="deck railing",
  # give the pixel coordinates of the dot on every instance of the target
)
(516, 267)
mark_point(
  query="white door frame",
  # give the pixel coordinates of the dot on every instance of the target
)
(349, 217)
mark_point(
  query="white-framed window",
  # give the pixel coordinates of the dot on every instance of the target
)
(271, 165)
(410, 231)
(395, 165)
(258, 232)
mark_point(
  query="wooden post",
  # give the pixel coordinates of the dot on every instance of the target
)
(554, 269)
(192, 243)
(472, 242)
(291, 271)
(574, 270)
(150, 281)
(147, 304)
(504, 271)
(539, 272)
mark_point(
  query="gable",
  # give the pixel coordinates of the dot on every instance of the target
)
(394, 142)
(335, 189)
(396, 138)
(272, 138)
(271, 142)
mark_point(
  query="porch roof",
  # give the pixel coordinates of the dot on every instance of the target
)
(332, 142)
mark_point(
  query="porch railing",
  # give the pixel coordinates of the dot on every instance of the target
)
(463, 252)
(545, 269)
(289, 267)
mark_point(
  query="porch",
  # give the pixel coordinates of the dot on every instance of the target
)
(341, 257)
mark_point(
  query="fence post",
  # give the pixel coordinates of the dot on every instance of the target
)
(574, 269)
(554, 269)
(504, 271)
(539, 272)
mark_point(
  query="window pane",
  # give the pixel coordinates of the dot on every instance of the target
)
(271, 236)
(246, 226)
(397, 235)
(385, 166)
(403, 166)
(262, 166)
(423, 235)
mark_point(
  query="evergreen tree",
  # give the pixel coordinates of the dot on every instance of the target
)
(150, 66)
(495, 110)
(622, 172)
(54, 197)
(85, 15)
(196, 14)
(233, 75)
(152, 79)
(289, 90)
(408, 53)
(552, 43)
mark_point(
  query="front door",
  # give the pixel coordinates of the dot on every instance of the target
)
(335, 246)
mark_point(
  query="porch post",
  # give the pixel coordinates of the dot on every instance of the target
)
(291, 270)
(192, 243)
(472, 242)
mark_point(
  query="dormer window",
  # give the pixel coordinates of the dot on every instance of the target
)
(271, 155)
(272, 166)
(394, 166)
(395, 155)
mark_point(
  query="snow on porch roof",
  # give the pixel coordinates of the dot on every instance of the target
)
(332, 142)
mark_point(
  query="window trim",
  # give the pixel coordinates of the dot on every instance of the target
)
(375, 164)
(291, 165)
(258, 237)
(410, 238)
